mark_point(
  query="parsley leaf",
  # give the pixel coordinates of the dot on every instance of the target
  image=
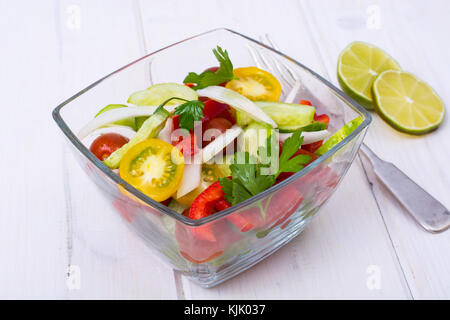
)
(190, 112)
(250, 177)
(209, 78)
(247, 178)
(287, 163)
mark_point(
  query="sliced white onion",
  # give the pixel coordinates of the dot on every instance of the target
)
(236, 101)
(114, 115)
(166, 132)
(122, 130)
(191, 178)
(308, 137)
(290, 98)
(220, 142)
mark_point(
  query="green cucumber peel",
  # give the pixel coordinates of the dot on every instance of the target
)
(339, 135)
(149, 129)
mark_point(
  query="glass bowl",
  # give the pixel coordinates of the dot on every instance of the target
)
(245, 233)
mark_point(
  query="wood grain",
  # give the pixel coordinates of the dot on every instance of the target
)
(52, 216)
(326, 260)
(404, 32)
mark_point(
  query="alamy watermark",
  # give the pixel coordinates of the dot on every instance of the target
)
(373, 21)
(373, 281)
(73, 21)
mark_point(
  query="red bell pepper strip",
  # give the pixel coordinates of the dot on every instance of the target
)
(305, 102)
(203, 206)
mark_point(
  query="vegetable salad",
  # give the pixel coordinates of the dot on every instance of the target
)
(215, 140)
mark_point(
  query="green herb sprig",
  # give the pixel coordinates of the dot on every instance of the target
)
(189, 112)
(209, 78)
(247, 180)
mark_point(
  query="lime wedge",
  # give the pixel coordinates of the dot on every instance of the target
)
(358, 66)
(339, 135)
(407, 103)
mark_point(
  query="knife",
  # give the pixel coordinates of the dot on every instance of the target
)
(424, 208)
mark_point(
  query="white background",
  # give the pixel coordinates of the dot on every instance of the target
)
(361, 245)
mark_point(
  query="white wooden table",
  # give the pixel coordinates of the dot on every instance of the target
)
(361, 245)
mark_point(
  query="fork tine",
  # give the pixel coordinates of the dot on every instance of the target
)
(262, 62)
(263, 58)
(255, 56)
(283, 73)
(288, 69)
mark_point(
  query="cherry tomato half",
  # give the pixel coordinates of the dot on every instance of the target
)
(153, 166)
(255, 84)
(219, 125)
(107, 143)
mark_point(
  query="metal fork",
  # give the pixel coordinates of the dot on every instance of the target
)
(424, 208)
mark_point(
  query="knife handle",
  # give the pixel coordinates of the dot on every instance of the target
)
(424, 208)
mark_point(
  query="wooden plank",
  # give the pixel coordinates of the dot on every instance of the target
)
(338, 252)
(33, 255)
(404, 31)
(113, 261)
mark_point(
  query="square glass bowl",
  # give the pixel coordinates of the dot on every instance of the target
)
(245, 233)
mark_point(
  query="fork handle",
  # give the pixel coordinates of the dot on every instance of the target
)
(423, 207)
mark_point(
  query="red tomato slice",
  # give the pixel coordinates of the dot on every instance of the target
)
(176, 122)
(212, 109)
(312, 147)
(282, 205)
(228, 114)
(188, 145)
(107, 143)
(220, 124)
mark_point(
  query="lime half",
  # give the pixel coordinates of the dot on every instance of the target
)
(407, 103)
(358, 66)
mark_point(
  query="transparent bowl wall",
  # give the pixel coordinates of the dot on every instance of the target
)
(248, 232)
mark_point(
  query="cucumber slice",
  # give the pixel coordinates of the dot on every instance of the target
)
(129, 122)
(243, 118)
(339, 135)
(315, 126)
(158, 93)
(255, 136)
(288, 116)
(149, 129)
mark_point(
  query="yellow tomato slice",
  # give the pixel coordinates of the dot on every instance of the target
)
(255, 84)
(154, 167)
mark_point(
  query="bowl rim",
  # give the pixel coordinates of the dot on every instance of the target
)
(166, 210)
